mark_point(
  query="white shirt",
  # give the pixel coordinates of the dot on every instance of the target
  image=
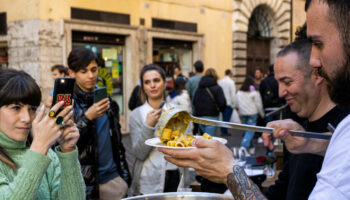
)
(333, 181)
(249, 103)
(154, 167)
(229, 88)
(181, 101)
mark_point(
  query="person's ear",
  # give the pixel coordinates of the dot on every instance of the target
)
(71, 73)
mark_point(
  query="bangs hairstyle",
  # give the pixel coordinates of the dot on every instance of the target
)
(18, 87)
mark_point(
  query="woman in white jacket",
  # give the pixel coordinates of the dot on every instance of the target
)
(179, 98)
(150, 170)
(249, 104)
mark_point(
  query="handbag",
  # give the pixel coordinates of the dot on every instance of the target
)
(235, 117)
(212, 98)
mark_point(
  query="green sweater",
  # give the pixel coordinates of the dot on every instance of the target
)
(54, 176)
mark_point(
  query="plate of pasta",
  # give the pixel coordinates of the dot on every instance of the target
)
(183, 143)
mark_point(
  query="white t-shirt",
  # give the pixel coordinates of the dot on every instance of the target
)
(333, 181)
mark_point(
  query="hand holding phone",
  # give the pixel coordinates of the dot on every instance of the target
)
(63, 91)
(99, 94)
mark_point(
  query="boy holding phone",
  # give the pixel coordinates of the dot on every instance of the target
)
(101, 152)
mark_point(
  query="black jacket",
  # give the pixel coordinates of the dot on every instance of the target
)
(298, 177)
(87, 143)
(203, 103)
(269, 92)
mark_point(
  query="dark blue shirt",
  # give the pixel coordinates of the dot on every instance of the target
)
(107, 169)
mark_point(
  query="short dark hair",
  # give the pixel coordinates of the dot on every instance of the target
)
(61, 69)
(198, 66)
(300, 33)
(228, 72)
(177, 67)
(271, 69)
(79, 58)
(18, 87)
(303, 49)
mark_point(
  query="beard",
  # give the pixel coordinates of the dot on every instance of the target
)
(339, 85)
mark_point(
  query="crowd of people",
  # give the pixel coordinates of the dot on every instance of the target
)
(77, 153)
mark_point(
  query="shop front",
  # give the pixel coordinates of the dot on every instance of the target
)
(169, 54)
(3, 55)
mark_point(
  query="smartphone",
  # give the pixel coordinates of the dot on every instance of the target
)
(99, 94)
(161, 105)
(63, 91)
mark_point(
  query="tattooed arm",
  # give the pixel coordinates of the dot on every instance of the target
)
(241, 186)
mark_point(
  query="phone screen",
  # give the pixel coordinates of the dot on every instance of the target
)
(99, 94)
(63, 91)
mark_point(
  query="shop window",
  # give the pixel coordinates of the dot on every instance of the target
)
(94, 15)
(171, 53)
(109, 49)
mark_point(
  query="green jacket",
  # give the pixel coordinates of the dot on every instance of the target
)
(52, 176)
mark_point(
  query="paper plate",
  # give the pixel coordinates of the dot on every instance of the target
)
(155, 142)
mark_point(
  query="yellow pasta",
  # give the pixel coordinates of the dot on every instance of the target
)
(173, 134)
(207, 136)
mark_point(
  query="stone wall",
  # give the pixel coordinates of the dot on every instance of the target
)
(242, 11)
(34, 46)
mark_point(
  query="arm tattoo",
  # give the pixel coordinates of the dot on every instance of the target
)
(241, 186)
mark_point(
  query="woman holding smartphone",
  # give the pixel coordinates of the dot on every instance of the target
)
(29, 169)
(150, 168)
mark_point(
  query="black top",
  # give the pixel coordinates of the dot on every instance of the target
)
(269, 92)
(298, 176)
(203, 102)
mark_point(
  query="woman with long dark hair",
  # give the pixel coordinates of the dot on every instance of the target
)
(149, 170)
(249, 104)
(29, 169)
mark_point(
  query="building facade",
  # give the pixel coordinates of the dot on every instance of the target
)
(126, 35)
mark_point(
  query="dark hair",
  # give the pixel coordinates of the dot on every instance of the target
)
(198, 66)
(180, 84)
(79, 58)
(339, 15)
(259, 69)
(300, 33)
(61, 69)
(248, 81)
(177, 67)
(146, 69)
(271, 69)
(211, 73)
(17, 87)
(228, 72)
(303, 49)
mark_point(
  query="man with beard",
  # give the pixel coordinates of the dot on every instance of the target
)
(329, 30)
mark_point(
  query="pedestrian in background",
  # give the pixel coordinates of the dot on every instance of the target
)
(249, 104)
(229, 88)
(209, 100)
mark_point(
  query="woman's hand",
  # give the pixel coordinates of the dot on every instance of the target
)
(98, 109)
(69, 137)
(153, 117)
(45, 130)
